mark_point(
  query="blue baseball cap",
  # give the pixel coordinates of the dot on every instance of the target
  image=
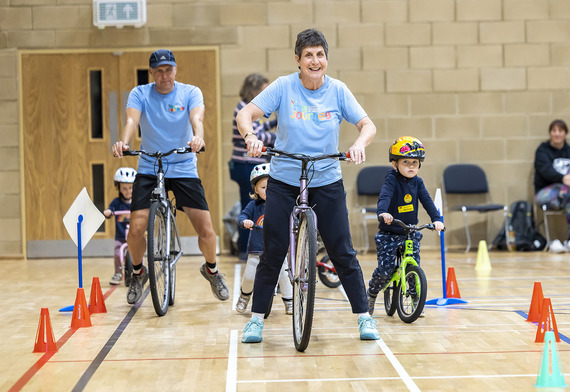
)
(161, 57)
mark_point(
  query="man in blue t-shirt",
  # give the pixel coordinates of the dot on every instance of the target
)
(310, 107)
(170, 115)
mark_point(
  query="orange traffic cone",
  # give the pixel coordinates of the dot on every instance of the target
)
(452, 288)
(96, 300)
(545, 324)
(45, 341)
(81, 316)
(535, 304)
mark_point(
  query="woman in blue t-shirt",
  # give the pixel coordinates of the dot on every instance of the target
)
(309, 106)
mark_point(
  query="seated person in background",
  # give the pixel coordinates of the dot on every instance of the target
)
(551, 175)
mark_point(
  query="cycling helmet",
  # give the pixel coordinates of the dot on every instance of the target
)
(407, 147)
(125, 174)
(259, 171)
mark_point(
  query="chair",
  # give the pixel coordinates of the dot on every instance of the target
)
(546, 212)
(469, 183)
(369, 183)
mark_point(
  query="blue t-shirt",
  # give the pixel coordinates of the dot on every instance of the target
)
(165, 124)
(308, 123)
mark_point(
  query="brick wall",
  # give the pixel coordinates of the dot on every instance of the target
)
(476, 80)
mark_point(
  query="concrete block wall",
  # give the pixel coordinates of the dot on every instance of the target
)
(477, 81)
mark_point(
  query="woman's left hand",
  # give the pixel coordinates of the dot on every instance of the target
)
(357, 153)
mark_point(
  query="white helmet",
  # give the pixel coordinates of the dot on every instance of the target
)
(125, 174)
(259, 171)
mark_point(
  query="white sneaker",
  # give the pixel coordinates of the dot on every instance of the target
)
(557, 247)
(567, 245)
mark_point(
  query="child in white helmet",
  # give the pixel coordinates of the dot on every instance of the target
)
(251, 218)
(124, 179)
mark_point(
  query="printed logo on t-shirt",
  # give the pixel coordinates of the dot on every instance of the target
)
(310, 113)
(561, 165)
(408, 198)
(175, 108)
(260, 221)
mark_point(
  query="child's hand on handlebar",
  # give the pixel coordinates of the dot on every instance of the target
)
(438, 225)
(387, 218)
(248, 224)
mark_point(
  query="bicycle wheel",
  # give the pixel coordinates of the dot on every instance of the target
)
(328, 277)
(173, 253)
(158, 259)
(411, 304)
(127, 268)
(305, 280)
(390, 299)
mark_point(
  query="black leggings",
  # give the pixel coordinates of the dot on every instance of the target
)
(329, 204)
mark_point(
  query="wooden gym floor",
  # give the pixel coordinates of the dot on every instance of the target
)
(484, 345)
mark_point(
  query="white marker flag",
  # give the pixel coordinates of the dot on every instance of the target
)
(92, 218)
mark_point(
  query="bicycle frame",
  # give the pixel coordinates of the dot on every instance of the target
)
(402, 261)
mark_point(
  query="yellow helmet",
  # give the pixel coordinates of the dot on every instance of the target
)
(407, 147)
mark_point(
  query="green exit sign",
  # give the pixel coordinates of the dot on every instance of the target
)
(119, 13)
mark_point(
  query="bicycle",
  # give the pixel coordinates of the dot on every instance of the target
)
(407, 289)
(302, 256)
(326, 271)
(124, 254)
(164, 248)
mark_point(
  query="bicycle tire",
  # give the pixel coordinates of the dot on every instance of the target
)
(326, 276)
(158, 260)
(391, 299)
(173, 251)
(128, 268)
(411, 305)
(304, 282)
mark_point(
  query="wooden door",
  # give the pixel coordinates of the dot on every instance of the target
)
(62, 154)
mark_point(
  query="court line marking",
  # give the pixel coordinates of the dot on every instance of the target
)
(27, 376)
(398, 366)
(231, 374)
(92, 368)
(237, 285)
(474, 376)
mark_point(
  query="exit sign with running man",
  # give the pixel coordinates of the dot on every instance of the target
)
(119, 13)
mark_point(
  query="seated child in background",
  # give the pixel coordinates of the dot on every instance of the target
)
(252, 218)
(398, 199)
(124, 179)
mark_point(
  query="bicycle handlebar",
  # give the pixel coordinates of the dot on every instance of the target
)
(121, 212)
(341, 156)
(159, 154)
(408, 228)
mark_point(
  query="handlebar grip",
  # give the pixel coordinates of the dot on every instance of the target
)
(128, 152)
(347, 155)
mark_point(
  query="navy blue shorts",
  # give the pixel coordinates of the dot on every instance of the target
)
(187, 191)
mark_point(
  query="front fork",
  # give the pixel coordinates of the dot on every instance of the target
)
(400, 274)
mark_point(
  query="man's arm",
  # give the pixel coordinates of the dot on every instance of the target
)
(133, 117)
(197, 121)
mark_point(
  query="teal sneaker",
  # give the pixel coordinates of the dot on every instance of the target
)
(252, 331)
(367, 328)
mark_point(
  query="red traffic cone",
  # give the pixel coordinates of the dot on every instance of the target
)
(45, 341)
(96, 300)
(547, 322)
(81, 316)
(452, 289)
(536, 303)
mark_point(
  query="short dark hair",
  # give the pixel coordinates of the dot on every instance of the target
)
(252, 85)
(310, 38)
(558, 123)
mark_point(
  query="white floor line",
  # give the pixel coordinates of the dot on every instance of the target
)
(231, 374)
(237, 285)
(470, 376)
(398, 366)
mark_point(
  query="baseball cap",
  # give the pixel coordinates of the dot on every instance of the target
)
(161, 57)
